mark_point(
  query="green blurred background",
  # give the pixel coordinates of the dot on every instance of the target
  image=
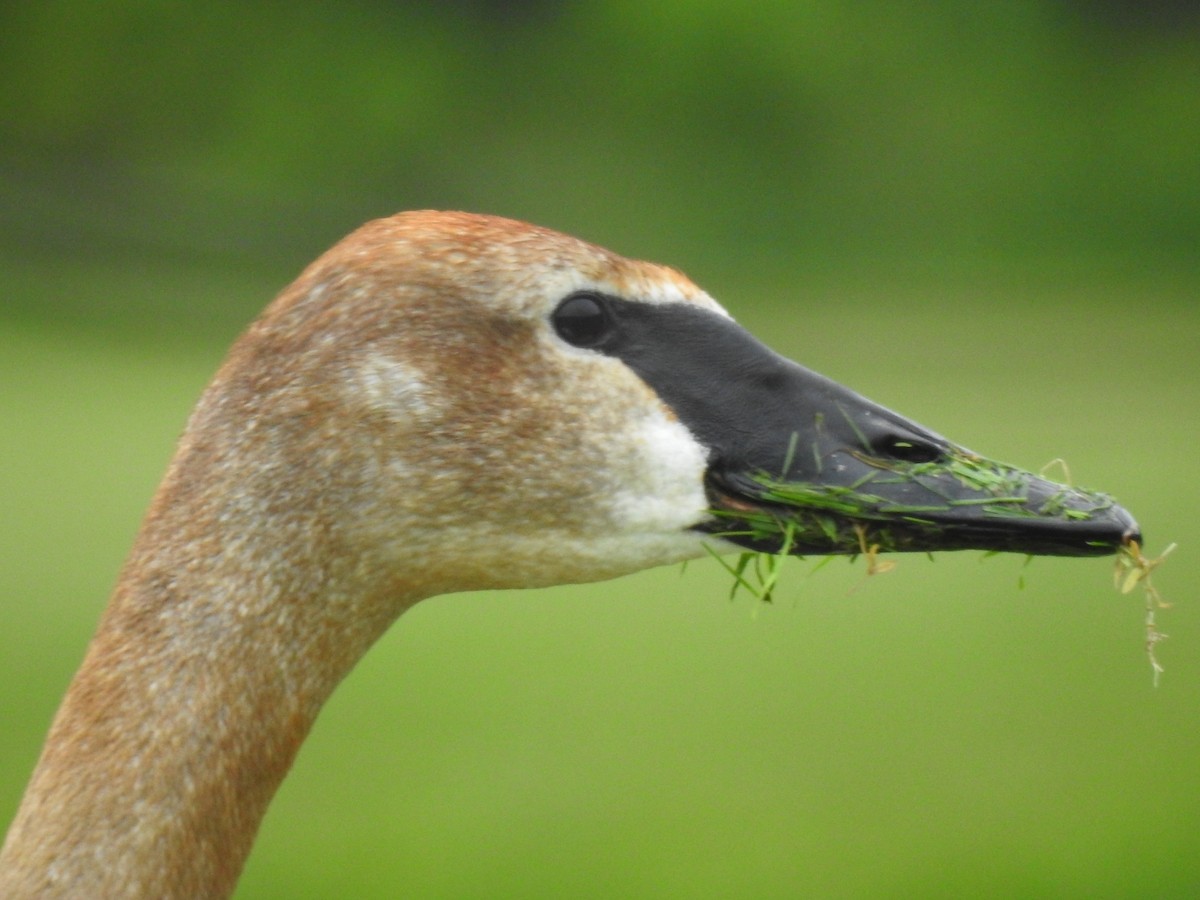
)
(984, 215)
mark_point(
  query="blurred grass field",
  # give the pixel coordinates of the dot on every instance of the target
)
(938, 731)
(986, 217)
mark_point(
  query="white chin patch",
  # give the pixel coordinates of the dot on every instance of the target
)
(662, 498)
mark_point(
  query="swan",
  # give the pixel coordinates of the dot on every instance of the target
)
(442, 402)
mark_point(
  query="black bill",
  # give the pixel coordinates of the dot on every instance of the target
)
(799, 463)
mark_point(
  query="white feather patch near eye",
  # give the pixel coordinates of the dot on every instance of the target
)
(392, 388)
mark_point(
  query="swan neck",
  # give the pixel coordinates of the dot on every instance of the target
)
(206, 673)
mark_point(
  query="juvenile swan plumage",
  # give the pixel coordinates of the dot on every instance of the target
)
(442, 402)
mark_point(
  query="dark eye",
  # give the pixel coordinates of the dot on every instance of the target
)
(582, 320)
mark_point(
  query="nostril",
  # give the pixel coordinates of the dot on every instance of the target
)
(907, 449)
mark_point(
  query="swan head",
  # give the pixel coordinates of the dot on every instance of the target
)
(473, 402)
(446, 402)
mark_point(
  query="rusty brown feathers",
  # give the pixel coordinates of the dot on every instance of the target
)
(395, 425)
